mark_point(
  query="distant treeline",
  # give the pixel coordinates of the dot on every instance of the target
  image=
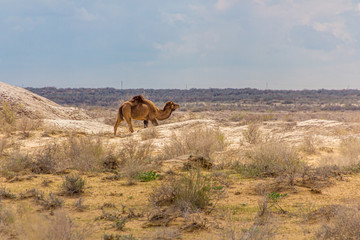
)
(110, 97)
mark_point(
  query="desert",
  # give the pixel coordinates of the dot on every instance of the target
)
(211, 174)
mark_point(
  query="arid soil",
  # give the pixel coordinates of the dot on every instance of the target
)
(300, 213)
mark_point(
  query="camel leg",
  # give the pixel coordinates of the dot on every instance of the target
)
(118, 121)
(146, 123)
(128, 120)
(154, 122)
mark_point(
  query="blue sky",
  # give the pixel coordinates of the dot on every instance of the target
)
(282, 44)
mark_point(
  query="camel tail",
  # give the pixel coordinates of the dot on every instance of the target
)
(120, 114)
(120, 118)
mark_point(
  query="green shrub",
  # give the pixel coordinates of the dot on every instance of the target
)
(73, 184)
(190, 192)
(147, 176)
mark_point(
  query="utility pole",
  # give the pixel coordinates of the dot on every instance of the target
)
(121, 85)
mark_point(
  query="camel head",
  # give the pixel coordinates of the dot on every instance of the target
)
(171, 105)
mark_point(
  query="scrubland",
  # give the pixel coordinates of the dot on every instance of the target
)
(199, 175)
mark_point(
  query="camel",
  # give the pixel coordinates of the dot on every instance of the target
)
(139, 108)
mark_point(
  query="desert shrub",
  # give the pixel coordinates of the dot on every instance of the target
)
(135, 157)
(6, 194)
(111, 162)
(84, 153)
(16, 163)
(60, 226)
(73, 184)
(308, 145)
(118, 237)
(350, 151)
(344, 225)
(48, 158)
(199, 140)
(259, 230)
(7, 117)
(272, 160)
(190, 192)
(49, 202)
(25, 125)
(149, 133)
(252, 134)
(147, 176)
(7, 218)
(3, 145)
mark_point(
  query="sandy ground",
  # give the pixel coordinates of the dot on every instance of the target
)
(240, 203)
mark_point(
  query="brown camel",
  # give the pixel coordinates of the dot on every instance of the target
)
(140, 108)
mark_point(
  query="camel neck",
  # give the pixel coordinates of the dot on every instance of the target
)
(163, 114)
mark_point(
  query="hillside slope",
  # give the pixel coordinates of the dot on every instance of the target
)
(37, 107)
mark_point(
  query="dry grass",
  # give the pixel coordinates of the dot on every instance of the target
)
(189, 193)
(25, 125)
(344, 225)
(60, 226)
(149, 133)
(73, 184)
(350, 151)
(308, 145)
(199, 140)
(85, 153)
(272, 159)
(252, 134)
(3, 145)
(135, 157)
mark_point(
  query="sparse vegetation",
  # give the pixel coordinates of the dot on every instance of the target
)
(252, 134)
(73, 184)
(147, 176)
(345, 224)
(198, 140)
(193, 174)
(190, 192)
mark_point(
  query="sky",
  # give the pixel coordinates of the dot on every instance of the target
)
(264, 44)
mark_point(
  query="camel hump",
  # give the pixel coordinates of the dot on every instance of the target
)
(138, 98)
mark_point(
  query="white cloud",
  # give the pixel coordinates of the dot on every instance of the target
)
(337, 29)
(223, 5)
(175, 17)
(84, 15)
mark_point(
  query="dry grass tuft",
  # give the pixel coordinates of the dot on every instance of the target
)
(149, 133)
(273, 159)
(60, 226)
(135, 157)
(199, 141)
(252, 134)
(344, 225)
(189, 193)
(73, 184)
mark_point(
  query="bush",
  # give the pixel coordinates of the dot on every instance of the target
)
(350, 150)
(73, 184)
(16, 163)
(135, 157)
(147, 176)
(149, 133)
(272, 160)
(46, 161)
(7, 117)
(59, 226)
(344, 225)
(190, 192)
(199, 141)
(84, 153)
(50, 202)
(252, 134)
